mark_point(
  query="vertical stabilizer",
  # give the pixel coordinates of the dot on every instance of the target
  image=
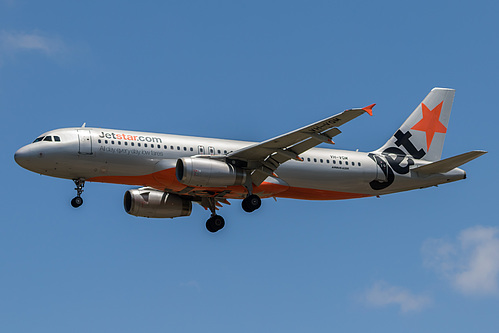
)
(422, 135)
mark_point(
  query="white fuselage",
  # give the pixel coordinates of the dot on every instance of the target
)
(149, 159)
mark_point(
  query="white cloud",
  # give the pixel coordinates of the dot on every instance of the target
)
(381, 294)
(15, 42)
(470, 263)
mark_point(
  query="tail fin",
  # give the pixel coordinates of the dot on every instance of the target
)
(422, 135)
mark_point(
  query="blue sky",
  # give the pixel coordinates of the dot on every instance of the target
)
(425, 260)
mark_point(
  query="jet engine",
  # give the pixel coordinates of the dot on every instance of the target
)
(148, 202)
(208, 172)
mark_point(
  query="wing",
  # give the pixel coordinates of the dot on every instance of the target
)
(265, 157)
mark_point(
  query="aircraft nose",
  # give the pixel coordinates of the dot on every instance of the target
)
(24, 156)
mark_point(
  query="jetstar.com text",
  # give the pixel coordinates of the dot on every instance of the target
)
(130, 137)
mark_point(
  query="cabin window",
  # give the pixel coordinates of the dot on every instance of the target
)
(138, 144)
(178, 147)
(308, 159)
(327, 161)
(185, 148)
(133, 144)
(100, 141)
(145, 145)
(322, 160)
(192, 149)
(340, 162)
(358, 164)
(126, 143)
(119, 143)
(112, 142)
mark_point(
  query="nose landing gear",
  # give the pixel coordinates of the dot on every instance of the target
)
(78, 201)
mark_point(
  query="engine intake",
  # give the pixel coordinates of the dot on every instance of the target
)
(157, 204)
(208, 172)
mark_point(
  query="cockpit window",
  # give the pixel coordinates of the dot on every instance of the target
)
(48, 138)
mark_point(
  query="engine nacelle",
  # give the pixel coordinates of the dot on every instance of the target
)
(151, 203)
(208, 172)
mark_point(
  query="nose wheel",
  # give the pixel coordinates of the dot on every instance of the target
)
(78, 201)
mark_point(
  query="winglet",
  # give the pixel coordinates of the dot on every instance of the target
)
(369, 109)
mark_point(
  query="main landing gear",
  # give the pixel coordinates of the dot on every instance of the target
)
(78, 201)
(215, 223)
(251, 203)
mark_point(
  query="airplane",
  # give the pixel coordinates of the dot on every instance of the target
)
(174, 171)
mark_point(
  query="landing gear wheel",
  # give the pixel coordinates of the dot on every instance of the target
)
(215, 223)
(77, 202)
(251, 203)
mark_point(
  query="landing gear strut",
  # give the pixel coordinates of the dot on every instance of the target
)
(215, 222)
(78, 201)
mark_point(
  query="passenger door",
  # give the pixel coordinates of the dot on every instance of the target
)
(85, 139)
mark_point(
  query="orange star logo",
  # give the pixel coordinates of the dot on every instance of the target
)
(430, 124)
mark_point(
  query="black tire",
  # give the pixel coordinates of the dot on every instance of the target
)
(218, 222)
(251, 203)
(210, 226)
(215, 223)
(77, 202)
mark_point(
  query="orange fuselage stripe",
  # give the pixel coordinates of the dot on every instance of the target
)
(166, 180)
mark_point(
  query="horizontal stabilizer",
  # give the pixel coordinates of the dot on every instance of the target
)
(448, 164)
